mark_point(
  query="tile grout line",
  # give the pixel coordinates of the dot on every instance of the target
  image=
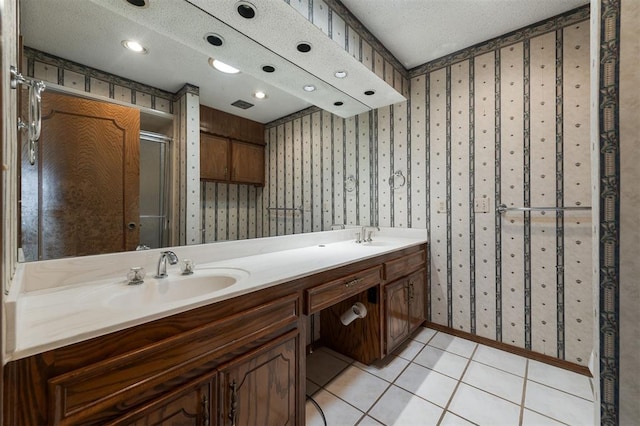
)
(392, 383)
(446, 408)
(561, 390)
(524, 393)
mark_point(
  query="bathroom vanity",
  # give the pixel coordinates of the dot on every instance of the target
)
(233, 358)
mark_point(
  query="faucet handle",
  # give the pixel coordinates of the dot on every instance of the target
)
(136, 275)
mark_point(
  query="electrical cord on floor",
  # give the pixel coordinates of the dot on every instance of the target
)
(324, 419)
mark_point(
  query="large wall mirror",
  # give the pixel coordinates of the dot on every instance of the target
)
(109, 115)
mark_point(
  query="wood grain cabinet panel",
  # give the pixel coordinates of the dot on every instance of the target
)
(190, 405)
(214, 157)
(417, 299)
(247, 163)
(260, 388)
(401, 267)
(325, 295)
(96, 391)
(396, 299)
(405, 307)
(231, 161)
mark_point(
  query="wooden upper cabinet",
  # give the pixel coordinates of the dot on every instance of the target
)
(214, 157)
(221, 123)
(247, 163)
(231, 148)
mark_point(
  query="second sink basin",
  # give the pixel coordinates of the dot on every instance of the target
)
(174, 288)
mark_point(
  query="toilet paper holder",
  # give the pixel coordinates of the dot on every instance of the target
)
(357, 310)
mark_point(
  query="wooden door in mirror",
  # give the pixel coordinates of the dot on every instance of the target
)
(82, 196)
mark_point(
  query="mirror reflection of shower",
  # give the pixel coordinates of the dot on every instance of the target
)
(154, 189)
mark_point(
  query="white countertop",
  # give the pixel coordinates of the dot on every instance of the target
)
(57, 303)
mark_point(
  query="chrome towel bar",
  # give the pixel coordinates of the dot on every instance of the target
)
(503, 208)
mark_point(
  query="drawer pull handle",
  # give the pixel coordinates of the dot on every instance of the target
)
(233, 412)
(353, 283)
(205, 411)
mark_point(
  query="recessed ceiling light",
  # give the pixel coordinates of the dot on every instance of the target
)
(214, 39)
(339, 103)
(246, 9)
(134, 46)
(222, 67)
(259, 95)
(309, 88)
(304, 47)
(370, 92)
(340, 74)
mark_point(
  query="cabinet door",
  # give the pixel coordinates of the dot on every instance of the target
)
(417, 299)
(260, 388)
(247, 163)
(214, 157)
(396, 301)
(192, 404)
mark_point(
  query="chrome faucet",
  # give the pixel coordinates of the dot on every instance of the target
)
(162, 263)
(369, 231)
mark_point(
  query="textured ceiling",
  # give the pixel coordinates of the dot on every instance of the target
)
(415, 31)
(418, 31)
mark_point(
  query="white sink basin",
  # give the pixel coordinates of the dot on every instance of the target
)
(174, 288)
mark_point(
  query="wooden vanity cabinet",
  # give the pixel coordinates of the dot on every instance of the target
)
(260, 387)
(404, 307)
(396, 304)
(193, 404)
(174, 370)
(237, 362)
(404, 296)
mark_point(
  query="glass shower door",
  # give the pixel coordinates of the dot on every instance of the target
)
(154, 189)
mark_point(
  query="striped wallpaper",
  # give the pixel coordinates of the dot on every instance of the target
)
(506, 124)
(510, 126)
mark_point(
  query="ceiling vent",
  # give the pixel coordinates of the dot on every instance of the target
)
(242, 104)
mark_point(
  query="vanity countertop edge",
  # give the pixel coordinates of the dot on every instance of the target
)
(69, 309)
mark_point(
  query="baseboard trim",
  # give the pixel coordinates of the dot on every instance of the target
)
(547, 359)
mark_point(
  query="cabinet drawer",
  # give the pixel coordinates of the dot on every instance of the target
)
(397, 268)
(103, 388)
(327, 294)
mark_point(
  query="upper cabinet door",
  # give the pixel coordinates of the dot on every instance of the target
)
(85, 190)
(247, 163)
(214, 157)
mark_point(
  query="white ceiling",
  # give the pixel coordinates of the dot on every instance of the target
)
(415, 31)
(418, 31)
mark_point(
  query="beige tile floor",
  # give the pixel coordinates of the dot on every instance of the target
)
(439, 379)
